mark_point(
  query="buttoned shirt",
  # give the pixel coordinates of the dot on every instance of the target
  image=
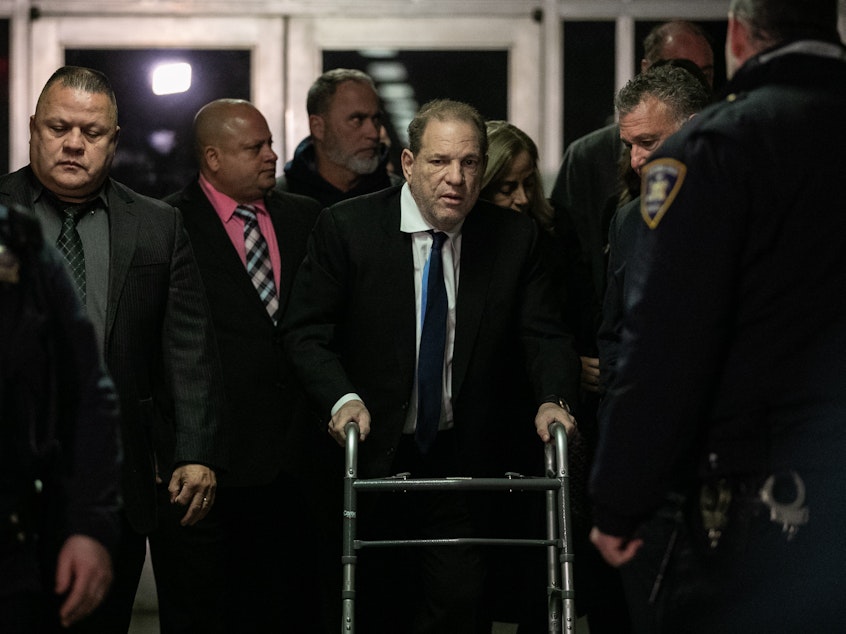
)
(234, 225)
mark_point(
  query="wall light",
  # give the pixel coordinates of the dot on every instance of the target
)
(169, 79)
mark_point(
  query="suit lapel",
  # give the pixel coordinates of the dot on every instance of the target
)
(15, 188)
(123, 238)
(287, 265)
(221, 249)
(478, 252)
(394, 246)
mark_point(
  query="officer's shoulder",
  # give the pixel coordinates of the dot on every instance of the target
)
(731, 106)
(736, 98)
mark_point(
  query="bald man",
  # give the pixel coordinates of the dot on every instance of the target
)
(679, 39)
(249, 241)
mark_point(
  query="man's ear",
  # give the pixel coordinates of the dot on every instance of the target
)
(644, 65)
(211, 158)
(316, 126)
(740, 45)
(407, 160)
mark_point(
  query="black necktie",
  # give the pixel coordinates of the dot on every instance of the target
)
(430, 365)
(69, 245)
(259, 266)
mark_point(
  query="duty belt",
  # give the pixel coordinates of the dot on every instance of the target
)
(782, 494)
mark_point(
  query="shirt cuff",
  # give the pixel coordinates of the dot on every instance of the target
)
(346, 398)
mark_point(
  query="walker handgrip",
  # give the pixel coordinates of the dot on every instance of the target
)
(559, 439)
(351, 430)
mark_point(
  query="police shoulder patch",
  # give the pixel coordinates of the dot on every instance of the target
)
(662, 180)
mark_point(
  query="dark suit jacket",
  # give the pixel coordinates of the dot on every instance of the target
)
(350, 325)
(159, 346)
(588, 177)
(623, 240)
(262, 396)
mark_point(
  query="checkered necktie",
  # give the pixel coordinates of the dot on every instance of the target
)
(69, 245)
(258, 260)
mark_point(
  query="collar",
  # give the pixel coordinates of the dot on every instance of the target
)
(805, 47)
(38, 192)
(223, 204)
(412, 221)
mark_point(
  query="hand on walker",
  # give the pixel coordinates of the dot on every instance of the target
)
(549, 413)
(350, 411)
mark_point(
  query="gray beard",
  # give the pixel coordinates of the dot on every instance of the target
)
(360, 166)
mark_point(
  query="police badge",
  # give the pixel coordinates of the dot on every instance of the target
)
(662, 180)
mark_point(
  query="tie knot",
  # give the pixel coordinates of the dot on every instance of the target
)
(247, 212)
(74, 213)
(438, 239)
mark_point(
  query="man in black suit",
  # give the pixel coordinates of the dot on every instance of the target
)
(587, 192)
(142, 290)
(352, 331)
(268, 553)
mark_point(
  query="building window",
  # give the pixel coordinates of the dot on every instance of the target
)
(155, 154)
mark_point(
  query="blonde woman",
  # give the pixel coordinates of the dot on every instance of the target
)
(512, 178)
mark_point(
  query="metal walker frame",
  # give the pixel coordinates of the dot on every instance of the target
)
(558, 542)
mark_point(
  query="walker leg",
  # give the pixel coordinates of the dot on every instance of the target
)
(348, 556)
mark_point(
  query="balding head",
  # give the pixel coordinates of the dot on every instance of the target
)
(215, 120)
(233, 147)
(679, 39)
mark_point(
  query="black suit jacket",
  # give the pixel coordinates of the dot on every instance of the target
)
(588, 178)
(159, 346)
(623, 240)
(262, 396)
(350, 325)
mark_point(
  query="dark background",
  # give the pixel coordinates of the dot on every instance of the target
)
(479, 77)
(140, 163)
(589, 51)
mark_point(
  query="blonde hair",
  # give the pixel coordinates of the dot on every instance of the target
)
(505, 143)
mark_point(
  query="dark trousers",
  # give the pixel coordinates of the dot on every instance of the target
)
(27, 602)
(28, 613)
(420, 590)
(248, 566)
(186, 562)
(271, 553)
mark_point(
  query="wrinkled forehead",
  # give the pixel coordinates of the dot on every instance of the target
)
(451, 133)
(354, 96)
(76, 104)
(650, 113)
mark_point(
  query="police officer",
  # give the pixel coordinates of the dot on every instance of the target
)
(58, 442)
(722, 436)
